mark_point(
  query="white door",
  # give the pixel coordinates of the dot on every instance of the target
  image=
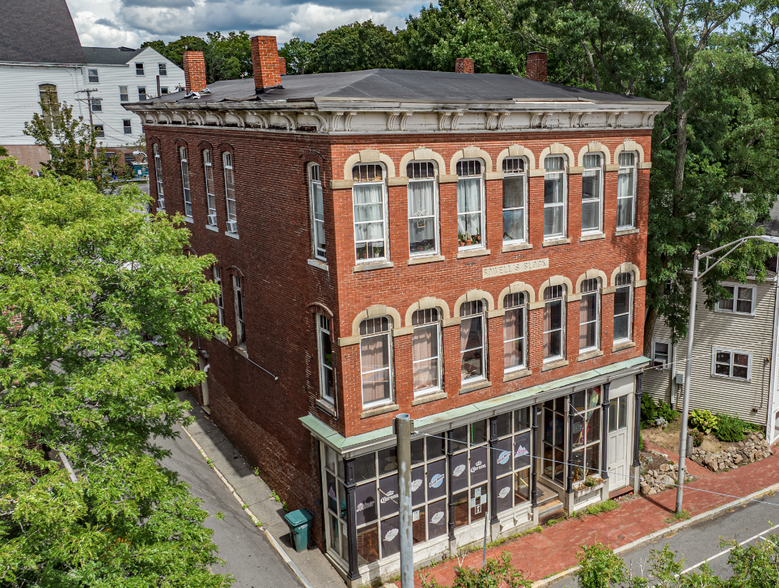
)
(619, 442)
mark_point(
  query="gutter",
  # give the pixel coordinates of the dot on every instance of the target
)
(769, 428)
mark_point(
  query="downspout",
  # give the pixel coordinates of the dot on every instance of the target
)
(769, 427)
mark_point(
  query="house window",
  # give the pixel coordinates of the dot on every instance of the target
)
(469, 472)
(470, 203)
(317, 210)
(553, 322)
(141, 92)
(210, 197)
(185, 182)
(661, 352)
(514, 331)
(129, 158)
(50, 105)
(589, 315)
(741, 301)
(124, 95)
(96, 104)
(426, 351)
(727, 363)
(472, 353)
(422, 208)
(591, 194)
(232, 218)
(514, 190)
(220, 304)
(100, 130)
(163, 69)
(626, 191)
(240, 324)
(93, 77)
(554, 197)
(512, 468)
(370, 212)
(326, 372)
(139, 69)
(164, 90)
(623, 307)
(127, 125)
(586, 433)
(375, 359)
(158, 176)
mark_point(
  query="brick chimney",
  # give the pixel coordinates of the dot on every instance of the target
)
(265, 63)
(194, 71)
(536, 66)
(463, 65)
(282, 66)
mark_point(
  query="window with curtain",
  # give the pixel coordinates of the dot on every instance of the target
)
(470, 205)
(554, 196)
(741, 301)
(422, 208)
(514, 331)
(731, 364)
(232, 218)
(426, 346)
(240, 324)
(317, 210)
(158, 176)
(589, 314)
(623, 306)
(626, 191)
(472, 344)
(553, 322)
(514, 207)
(375, 358)
(50, 105)
(370, 213)
(210, 196)
(185, 182)
(586, 432)
(591, 193)
(326, 370)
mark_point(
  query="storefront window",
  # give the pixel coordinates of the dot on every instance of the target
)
(514, 451)
(469, 472)
(428, 488)
(586, 432)
(336, 504)
(554, 439)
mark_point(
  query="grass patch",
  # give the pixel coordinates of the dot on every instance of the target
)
(220, 515)
(678, 516)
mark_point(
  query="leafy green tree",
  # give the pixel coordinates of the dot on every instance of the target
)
(228, 57)
(95, 305)
(298, 55)
(355, 46)
(3, 151)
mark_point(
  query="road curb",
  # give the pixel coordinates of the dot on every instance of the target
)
(257, 522)
(675, 528)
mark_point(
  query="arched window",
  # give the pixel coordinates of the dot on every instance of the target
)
(514, 320)
(473, 356)
(589, 315)
(158, 176)
(208, 167)
(232, 219)
(555, 197)
(514, 200)
(626, 191)
(370, 213)
(422, 208)
(185, 182)
(470, 204)
(50, 105)
(554, 322)
(426, 345)
(376, 361)
(623, 307)
(326, 369)
(592, 190)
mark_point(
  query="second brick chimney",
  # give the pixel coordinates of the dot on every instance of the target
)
(463, 65)
(265, 63)
(536, 66)
(282, 66)
(194, 71)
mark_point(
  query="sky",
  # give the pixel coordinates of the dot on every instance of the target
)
(114, 23)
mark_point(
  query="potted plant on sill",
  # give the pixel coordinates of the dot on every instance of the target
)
(465, 239)
(589, 484)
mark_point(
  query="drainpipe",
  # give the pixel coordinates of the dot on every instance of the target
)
(637, 435)
(769, 427)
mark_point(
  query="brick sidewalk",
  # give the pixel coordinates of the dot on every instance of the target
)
(541, 555)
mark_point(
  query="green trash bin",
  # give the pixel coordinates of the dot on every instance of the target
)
(299, 523)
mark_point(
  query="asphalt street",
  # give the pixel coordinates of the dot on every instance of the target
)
(244, 548)
(702, 542)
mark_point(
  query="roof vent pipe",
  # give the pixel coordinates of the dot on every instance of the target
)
(536, 66)
(194, 71)
(265, 63)
(463, 65)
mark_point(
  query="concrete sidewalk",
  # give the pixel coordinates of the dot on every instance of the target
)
(311, 566)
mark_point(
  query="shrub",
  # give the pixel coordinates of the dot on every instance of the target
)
(730, 429)
(652, 412)
(599, 567)
(496, 572)
(703, 420)
(697, 438)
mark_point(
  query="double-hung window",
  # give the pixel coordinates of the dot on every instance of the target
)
(591, 194)
(473, 357)
(50, 104)
(220, 304)
(626, 191)
(163, 68)
(661, 353)
(554, 197)
(210, 196)
(94, 78)
(232, 218)
(240, 324)
(124, 95)
(470, 203)
(375, 361)
(422, 209)
(426, 345)
(317, 210)
(623, 307)
(100, 130)
(139, 69)
(127, 125)
(514, 331)
(589, 315)
(727, 363)
(158, 176)
(142, 93)
(185, 182)
(741, 301)
(326, 371)
(370, 213)
(514, 200)
(554, 322)
(96, 104)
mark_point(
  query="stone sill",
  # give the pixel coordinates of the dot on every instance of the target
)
(189, 219)
(232, 235)
(242, 351)
(480, 385)
(326, 407)
(425, 259)
(553, 365)
(213, 228)
(590, 355)
(464, 254)
(565, 241)
(516, 247)
(592, 237)
(383, 409)
(517, 374)
(623, 346)
(366, 267)
(318, 264)
(429, 397)
(626, 232)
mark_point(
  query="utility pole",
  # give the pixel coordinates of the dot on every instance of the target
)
(404, 426)
(88, 100)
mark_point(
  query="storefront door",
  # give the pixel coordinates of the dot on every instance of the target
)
(619, 442)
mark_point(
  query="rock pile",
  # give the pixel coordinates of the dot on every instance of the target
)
(654, 481)
(751, 449)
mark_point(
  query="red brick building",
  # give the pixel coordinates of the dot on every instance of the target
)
(466, 248)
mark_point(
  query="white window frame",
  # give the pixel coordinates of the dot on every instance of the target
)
(520, 171)
(520, 308)
(127, 126)
(631, 169)
(232, 212)
(96, 104)
(317, 224)
(597, 172)
(185, 188)
(732, 352)
(482, 235)
(629, 313)
(90, 75)
(124, 96)
(139, 71)
(663, 364)
(356, 173)
(735, 299)
(482, 315)
(323, 330)
(158, 176)
(596, 294)
(563, 317)
(414, 217)
(436, 323)
(142, 95)
(220, 303)
(240, 320)
(564, 203)
(390, 366)
(100, 130)
(162, 69)
(208, 172)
